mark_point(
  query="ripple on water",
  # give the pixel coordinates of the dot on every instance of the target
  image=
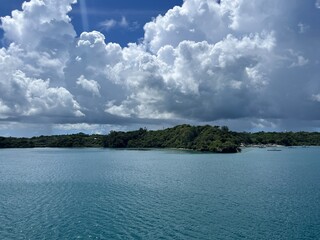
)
(103, 194)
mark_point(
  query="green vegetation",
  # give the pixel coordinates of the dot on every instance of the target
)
(199, 138)
(286, 138)
(67, 141)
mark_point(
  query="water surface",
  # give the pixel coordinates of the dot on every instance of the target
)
(159, 194)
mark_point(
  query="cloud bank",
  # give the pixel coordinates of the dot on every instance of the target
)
(252, 63)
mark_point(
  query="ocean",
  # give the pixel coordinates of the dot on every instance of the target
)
(159, 194)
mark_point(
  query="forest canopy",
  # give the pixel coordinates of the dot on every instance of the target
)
(199, 138)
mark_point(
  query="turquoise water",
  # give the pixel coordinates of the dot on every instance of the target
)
(158, 194)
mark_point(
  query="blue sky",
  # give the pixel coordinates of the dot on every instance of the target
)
(136, 13)
(68, 66)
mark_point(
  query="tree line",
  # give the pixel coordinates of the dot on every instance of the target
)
(55, 141)
(200, 138)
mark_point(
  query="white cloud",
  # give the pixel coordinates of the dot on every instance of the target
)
(108, 24)
(122, 23)
(89, 85)
(41, 24)
(28, 97)
(303, 28)
(199, 20)
(4, 110)
(316, 97)
(301, 61)
(296, 59)
(77, 127)
(201, 61)
(191, 80)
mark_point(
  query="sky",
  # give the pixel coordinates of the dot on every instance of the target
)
(93, 66)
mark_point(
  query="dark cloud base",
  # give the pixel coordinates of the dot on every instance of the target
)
(251, 65)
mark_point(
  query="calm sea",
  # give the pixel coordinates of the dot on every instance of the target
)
(159, 194)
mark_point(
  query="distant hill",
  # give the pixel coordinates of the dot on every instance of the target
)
(58, 141)
(199, 138)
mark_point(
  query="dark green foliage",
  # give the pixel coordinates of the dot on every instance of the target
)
(74, 140)
(286, 138)
(207, 138)
(123, 139)
(15, 142)
(200, 138)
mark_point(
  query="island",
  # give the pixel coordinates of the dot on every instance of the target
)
(216, 139)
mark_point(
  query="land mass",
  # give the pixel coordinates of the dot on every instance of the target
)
(199, 138)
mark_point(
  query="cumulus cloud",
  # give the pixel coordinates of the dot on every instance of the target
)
(204, 61)
(27, 97)
(39, 26)
(167, 82)
(89, 85)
